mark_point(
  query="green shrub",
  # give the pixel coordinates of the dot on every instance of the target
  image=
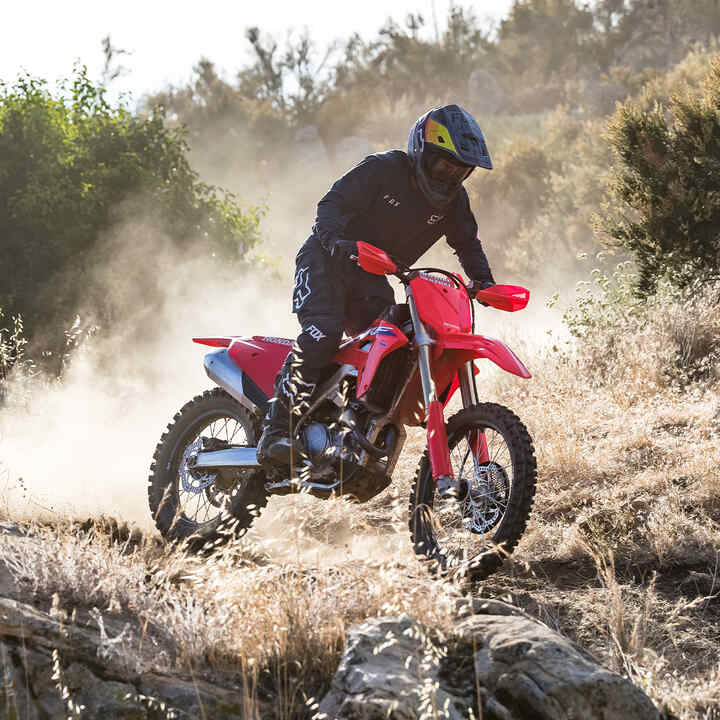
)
(68, 161)
(665, 190)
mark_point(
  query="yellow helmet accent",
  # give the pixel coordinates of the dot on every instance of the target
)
(437, 134)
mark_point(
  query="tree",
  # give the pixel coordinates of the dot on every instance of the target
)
(666, 185)
(67, 163)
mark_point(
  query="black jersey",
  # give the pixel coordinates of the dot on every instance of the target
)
(376, 202)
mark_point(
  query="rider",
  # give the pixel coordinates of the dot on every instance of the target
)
(402, 203)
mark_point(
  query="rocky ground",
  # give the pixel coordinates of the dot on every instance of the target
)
(497, 663)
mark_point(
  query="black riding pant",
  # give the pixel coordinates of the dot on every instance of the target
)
(331, 295)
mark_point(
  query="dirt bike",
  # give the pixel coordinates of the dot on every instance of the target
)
(475, 483)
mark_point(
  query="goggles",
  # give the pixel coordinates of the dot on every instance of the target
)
(443, 169)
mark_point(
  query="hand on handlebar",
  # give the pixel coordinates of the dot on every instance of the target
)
(476, 285)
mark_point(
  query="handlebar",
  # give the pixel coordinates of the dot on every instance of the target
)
(503, 297)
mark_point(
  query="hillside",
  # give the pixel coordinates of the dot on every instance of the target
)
(621, 555)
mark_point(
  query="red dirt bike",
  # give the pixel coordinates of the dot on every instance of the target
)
(474, 485)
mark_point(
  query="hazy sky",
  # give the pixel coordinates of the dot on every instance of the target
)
(45, 37)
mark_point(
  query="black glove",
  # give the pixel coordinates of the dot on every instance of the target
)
(346, 249)
(478, 285)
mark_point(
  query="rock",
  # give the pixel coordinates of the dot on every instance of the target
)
(38, 669)
(390, 671)
(101, 698)
(16, 699)
(486, 606)
(393, 668)
(350, 151)
(536, 673)
(197, 698)
(35, 628)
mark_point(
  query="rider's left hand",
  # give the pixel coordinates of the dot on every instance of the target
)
(478, 285)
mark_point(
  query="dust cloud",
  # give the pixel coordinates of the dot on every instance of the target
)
(83, 445)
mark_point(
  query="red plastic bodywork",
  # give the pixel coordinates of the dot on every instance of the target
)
(441, 305)
(260, 358)
(383, 337)
(437, 442)
(374, 260)
(510, 298)
(483, 347)
(213, 341)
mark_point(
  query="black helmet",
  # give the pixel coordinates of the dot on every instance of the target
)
(449, 134)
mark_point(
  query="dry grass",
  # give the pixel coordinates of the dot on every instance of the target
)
(624, 547)
(622, 554)
(274, 627)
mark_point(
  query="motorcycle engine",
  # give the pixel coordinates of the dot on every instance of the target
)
(323, 444)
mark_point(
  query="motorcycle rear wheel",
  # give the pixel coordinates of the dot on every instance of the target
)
(472, 535)
(205, 509)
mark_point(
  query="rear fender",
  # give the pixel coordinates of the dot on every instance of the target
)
(221, 369)
(213, 341)
(260, 358)
(484, 347)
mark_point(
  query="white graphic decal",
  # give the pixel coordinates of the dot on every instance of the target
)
(390, 200)
(315, 333)
(435, 219)
(302, 291)
(279, 341)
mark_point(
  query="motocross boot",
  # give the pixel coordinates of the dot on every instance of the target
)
(293, 388)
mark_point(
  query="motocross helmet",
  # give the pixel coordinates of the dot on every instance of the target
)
(444, 147)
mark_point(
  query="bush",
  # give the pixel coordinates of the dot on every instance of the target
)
(668, 339)
(666, 185)
(68, 162)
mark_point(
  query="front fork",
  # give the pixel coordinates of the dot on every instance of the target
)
(437, 441)
(469, 394)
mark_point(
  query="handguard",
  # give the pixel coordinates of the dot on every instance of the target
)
(505, 297)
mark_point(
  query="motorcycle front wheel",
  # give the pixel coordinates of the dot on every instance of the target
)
(205, 507)
(471, 534)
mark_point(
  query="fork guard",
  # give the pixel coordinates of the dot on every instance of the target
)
(484, 347)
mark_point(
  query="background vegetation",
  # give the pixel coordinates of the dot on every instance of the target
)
(544, 85)
(72, 169)
(604, 125)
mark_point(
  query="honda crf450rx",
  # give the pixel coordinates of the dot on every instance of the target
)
(473, 490)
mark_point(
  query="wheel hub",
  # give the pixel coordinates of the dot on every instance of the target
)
(483, 505)
(193, 481)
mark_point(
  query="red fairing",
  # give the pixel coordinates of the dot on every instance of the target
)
(455, 386)
(213, 341)
(442, 305)
(437, 442)
(374, 260)
(261, 358)
(484, 347)
(384, 337)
